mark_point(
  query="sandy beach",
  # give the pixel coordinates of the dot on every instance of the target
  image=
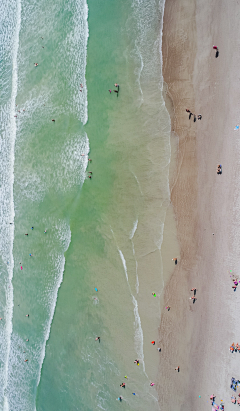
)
(197, 336)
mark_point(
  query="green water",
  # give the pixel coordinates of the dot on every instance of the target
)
(104, 232)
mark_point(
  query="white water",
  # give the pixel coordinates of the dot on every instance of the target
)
(12, 26)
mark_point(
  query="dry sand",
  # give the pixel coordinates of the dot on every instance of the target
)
(197, 336)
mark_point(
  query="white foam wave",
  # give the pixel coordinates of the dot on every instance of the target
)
(137, 323)
(9, 52)
(138, 332)
(21, 375)
(69, 167)
(134, 229)
(75, 46)
(124, 263)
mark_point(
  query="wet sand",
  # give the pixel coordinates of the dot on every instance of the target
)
(196, 336)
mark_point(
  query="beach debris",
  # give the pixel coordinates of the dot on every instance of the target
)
(236, 128)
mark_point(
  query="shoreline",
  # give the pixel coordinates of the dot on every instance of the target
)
(204, 204)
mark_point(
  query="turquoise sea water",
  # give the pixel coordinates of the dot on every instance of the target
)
(104, 232)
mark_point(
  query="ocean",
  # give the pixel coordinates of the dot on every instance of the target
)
(80, 256)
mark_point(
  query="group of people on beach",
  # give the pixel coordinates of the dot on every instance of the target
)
(199, 117)
(115, 91)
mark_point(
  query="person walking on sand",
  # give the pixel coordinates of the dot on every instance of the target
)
(136, 362)
(217, 51)
(153, 342)
(190, 115)
(177, 369)
(199, 116)
(168, 307)
(193, 298)
(187, 110)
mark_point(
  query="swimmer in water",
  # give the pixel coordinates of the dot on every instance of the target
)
(27, 315)
(89, 176)
(25, 360)
(98, 338)
(45, 231)
(35, 64)
(116, 85)
(152, 384)
(27, 339)
(119, 398)
(90, 172)
(110, 91)
(53, 120)
(31, 228)
(123, 385)
(26, 234)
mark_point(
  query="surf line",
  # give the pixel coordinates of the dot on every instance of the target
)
(13, 128)
(137, 322)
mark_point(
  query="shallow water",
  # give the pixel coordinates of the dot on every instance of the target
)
(105, 232)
